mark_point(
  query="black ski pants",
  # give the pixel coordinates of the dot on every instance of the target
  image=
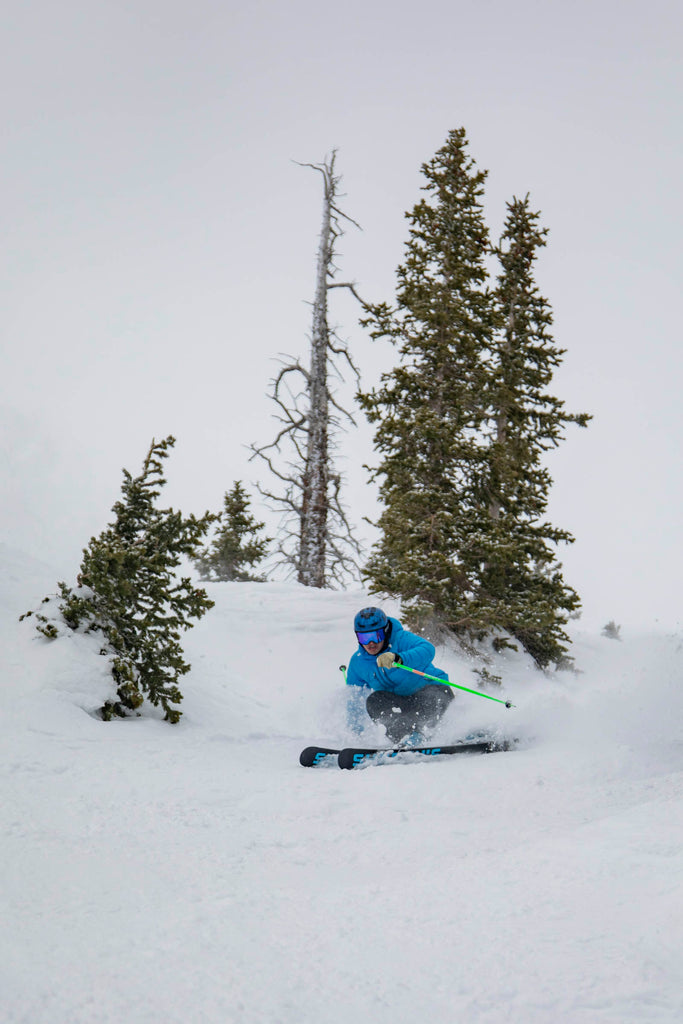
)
(402, 716)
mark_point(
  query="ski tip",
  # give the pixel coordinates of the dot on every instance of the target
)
(351, 757)
(346, 759)
(311, 756)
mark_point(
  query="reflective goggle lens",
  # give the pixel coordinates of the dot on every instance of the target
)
(375, 636)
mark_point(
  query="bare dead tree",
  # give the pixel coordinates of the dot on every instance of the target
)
(316, 540)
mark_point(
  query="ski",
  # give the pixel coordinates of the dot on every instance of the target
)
(352, 757)
(312, 756)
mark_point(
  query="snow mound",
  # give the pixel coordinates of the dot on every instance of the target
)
(156, 873)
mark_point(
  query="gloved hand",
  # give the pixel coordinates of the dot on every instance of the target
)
(388, 660)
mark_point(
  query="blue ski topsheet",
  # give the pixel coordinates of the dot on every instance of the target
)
(352, 757)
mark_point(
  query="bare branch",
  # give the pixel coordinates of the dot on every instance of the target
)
(276, 472)
(352, 288)
(342, 410)
(344, 352)
(290, 428)
(340, 213)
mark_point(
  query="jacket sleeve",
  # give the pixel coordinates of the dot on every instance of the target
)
(353, 676)
(415, 651)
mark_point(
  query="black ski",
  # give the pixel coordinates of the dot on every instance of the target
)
(352, 757)
(316, 755)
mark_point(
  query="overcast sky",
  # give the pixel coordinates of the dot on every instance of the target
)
(159, 241)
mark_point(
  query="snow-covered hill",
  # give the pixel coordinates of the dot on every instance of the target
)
(154, 874)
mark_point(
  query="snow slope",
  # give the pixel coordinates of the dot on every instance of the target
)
(196, 873)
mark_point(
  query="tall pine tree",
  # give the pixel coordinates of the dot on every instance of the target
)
(521, 588)
(428, 410)
(463, 424)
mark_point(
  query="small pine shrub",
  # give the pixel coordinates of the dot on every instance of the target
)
(237, 545)
(127, 590)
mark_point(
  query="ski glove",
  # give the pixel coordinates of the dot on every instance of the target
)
(388, 660)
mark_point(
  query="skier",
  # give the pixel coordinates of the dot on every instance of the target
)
(404, 703)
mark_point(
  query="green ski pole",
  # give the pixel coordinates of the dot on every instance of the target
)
(444, 682)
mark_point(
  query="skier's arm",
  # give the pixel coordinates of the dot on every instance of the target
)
(353, 676)
(415, 651)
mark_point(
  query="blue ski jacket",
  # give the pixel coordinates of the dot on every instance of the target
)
(415, 652)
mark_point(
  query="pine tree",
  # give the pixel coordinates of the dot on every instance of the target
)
(236, 546)
(520, 585)
(429, 410)
(464, 422)
(128, 591)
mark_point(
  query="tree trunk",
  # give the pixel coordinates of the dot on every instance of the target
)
(315, 540)
(315, 504)
(502, 419)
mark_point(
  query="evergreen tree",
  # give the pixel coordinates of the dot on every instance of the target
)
(236, 546)
(463, 424)
(520, 585)
(429, 410)
(127, 590)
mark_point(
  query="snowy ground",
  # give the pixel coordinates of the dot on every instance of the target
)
(154, 874)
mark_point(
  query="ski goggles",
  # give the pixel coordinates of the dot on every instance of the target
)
(374, 636)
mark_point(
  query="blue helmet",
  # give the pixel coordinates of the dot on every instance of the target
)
(368, 619)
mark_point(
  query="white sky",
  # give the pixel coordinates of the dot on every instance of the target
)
(159, 242)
